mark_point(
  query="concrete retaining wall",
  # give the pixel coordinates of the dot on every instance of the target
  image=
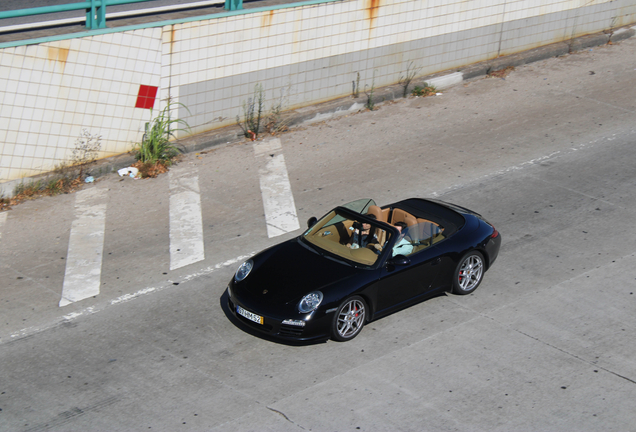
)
(312, 53)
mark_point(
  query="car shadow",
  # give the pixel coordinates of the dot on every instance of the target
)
(223, 302)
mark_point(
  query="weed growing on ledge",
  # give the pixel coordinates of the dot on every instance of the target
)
(67, 176)
(155, 146)
(275, 122)
(370, 105)
(252, 112)
(405, 80)
(356, 86)
(87, 147)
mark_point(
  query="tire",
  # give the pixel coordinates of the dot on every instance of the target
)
(469, 273)
(349, 319)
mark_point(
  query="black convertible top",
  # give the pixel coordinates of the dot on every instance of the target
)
(435, 211)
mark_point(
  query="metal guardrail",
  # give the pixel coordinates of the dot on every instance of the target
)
(96, 12)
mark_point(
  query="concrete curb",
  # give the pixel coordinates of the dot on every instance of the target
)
(349, 105)
(622, 34)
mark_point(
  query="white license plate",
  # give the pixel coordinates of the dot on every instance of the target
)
(249, 315)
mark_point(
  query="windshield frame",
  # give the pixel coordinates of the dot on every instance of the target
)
(341, 211)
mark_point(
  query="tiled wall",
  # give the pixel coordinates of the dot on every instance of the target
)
(107, 83)
(50, 92)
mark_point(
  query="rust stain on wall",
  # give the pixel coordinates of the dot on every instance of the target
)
(52, 54)
(266, 19)
(62, 55)
(172, 38)
(372, 9)
(59, 56)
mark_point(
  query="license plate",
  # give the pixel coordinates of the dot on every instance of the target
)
(249, 315)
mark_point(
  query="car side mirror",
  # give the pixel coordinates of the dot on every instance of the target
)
(398, 260)
(311, 221)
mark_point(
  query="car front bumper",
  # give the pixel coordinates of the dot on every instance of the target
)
(316, 325)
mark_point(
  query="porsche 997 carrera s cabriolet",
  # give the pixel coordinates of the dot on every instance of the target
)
(361, 262)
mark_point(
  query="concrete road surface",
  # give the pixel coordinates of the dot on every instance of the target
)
(545, 344)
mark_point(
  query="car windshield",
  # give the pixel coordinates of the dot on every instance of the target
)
(359, 206)
(353, 237)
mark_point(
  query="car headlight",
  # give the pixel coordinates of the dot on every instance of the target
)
(243, 270)
(310, 302)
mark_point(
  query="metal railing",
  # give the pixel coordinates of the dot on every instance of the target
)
(96, 12)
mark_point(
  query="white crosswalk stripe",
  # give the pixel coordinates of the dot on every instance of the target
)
(278, 201)
(186, 227)
(85, 247)
(82, 276)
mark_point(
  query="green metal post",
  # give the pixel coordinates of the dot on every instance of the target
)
(96, 15)
(233, 4)
(101, 15)
(90, 15)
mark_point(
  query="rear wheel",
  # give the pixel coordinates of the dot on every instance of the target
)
(349, 319)
(468, 273)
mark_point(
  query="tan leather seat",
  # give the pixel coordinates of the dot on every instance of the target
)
(428, 231)
(381, 215)
(400, 215)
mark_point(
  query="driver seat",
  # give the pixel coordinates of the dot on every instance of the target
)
(381, 215)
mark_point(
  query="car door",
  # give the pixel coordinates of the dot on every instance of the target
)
(398, 284)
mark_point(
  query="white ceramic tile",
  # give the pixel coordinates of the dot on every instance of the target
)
(111, 99)
(6, 58)
(32, 101)
(29, 151)
(201, 75)
(20, 50)
(6, 102)
(61, 153)
(123, 135)
(164, 83)
(17, 61)
(20, 99)
(22, 134)
(7, 149)
(49, 152)
(16, 160)
(12, 136)
(5, 73)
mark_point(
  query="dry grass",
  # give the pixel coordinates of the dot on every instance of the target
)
(501, 73)
(424, 91)
(151, 169)
(41, 188)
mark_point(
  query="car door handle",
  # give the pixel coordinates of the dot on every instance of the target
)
(437, 260)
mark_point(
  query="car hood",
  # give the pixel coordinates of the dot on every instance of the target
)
(286, 272)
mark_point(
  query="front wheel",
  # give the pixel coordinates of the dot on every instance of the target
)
(468, 273)
(349, 319)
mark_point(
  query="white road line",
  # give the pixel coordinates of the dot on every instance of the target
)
(85, 247)
(129, 297)
(186, 226)
(278, 201)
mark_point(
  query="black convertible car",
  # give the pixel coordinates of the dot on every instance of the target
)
(360, 262)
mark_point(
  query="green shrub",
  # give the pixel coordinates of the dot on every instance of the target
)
(155, 145)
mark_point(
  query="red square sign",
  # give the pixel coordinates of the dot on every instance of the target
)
(146, 97)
